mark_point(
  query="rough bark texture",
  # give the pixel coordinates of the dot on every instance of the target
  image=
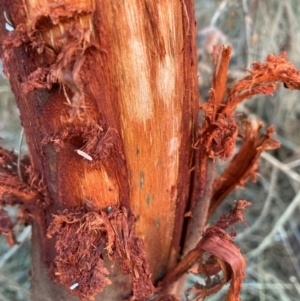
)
(117, 81)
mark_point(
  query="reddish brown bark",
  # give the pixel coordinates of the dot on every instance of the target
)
(117, 82)
(243, 166)
(107, 93)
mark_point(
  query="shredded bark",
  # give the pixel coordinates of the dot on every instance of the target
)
(244, 164)
(80, 241)
(95, 234)
(64, 54)
(66, 68)
(29, 40)
(6, 227)
(262, 79)
(215, 138)
(219, 130)
(62, 65)
(218, 133)
(19, 185)
(13, 189)
(59, 11)
(89, 132)
(218, 137)
(130, 250)
(225, 256)
(96, 141)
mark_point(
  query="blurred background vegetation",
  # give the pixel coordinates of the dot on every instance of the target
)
(271, 244)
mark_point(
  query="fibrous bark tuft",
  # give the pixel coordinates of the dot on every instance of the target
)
(218, 137)
(18, 184)
(85, 237)
(80, 242)
(244, 164)
(130, 250)
(6, 226)
(96, 140)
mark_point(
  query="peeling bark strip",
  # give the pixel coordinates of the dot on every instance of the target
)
(229, 259)
(261, 80)
(243, 165)
(233, 267)
(218, 132)
(216, 138)
(224, 256)
(217, 135)
(19, 185)
(79, 265)
(131, 252)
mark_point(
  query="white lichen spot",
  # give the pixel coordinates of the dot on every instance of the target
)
(73, 286)
(84, 155)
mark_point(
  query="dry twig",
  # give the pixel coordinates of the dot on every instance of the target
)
(268, 240)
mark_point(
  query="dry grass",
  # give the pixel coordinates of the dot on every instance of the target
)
(254, 28)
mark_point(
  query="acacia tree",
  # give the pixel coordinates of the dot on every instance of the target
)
(120, 180)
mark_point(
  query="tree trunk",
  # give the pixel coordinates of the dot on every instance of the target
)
(107, 92)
